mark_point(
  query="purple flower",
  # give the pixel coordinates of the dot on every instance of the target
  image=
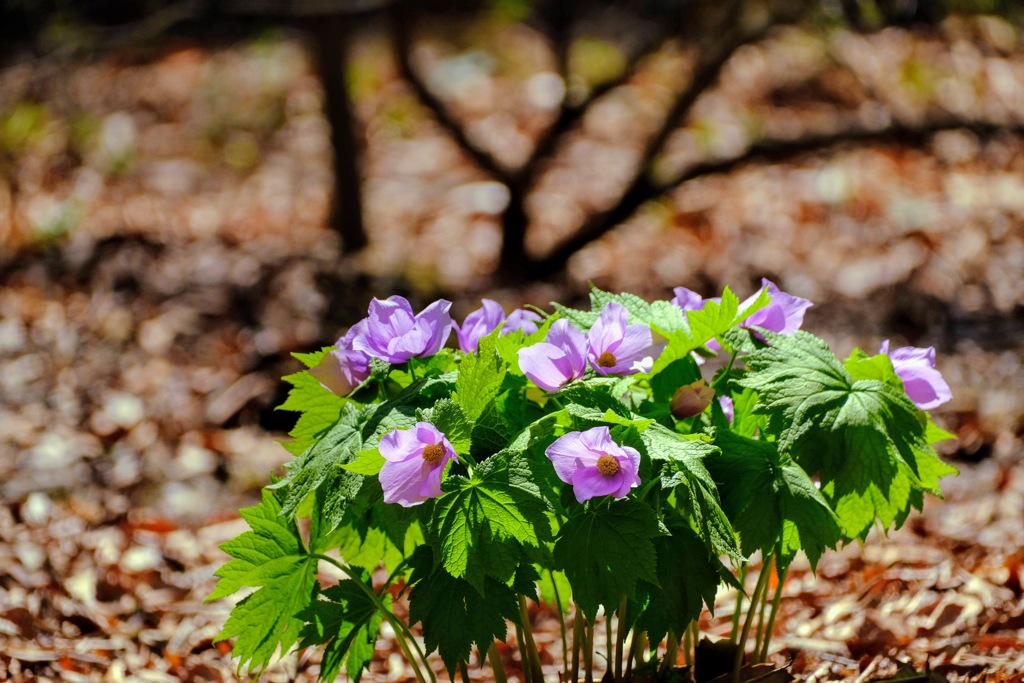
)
(479, 323)
(784, 314)
(415, 459)
(922, 382)
(521, 320)
(561, 359)
(727, 407)
(594, 465)
(345, 368)
(395, 335)
(689, 300)
(620, 349)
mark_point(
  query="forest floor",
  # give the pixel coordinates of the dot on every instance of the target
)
(163, 254)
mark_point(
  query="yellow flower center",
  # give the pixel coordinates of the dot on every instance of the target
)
(607, 360)
(607, 465)
(433, 453)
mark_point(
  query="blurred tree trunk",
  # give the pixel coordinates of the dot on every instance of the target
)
(330, 37)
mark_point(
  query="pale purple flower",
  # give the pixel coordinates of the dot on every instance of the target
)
(594, 465)
(553, 363)
(784, 314)
(415, 459)
(395, 335)
(924, 384)
(689, 300)
(344, 368)
(521, 320)
(727, 407)
(620, 349)
(479, 323)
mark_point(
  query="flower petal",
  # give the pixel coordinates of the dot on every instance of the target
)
(687, 299)
(521, 320)
(924, 385)
(434, 324)
(545, 365)
(400, 444)
(403, 481)
(608, 331)
(565, 454)
(588, 482)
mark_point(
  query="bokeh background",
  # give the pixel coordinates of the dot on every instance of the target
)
(191, 191)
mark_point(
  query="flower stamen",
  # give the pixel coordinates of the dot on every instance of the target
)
(607, 465)
(433, 453)
(607, 360)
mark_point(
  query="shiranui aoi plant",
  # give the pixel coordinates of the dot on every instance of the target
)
(579, 457)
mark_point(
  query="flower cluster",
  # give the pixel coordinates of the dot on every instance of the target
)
(612, 346)
(595, 448)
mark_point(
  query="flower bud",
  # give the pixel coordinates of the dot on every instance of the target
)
(692, 399)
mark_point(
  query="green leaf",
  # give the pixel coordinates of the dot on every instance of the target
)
(347, 621)
(273, 559)
(605, 550)
(772, 502)
(455, 615)
(320, 466)
(449, 419)
(682, 459)
(555, 589)
(480, 379)
(864, 438)
(480, 522)
(367, 463)
(688, 577)
(318, 408)
(713, 320)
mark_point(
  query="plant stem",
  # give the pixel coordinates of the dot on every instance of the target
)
(609, 650)
(401, 630)
(561, 619)
(464, 670)
(725, 373)
(524, 658)
(671, 652)
(768, 567)
(776, 599)
(588, 655)
(734, 633)
(688, 645)
(762, 581)
(620, 638)
(636, 650)
(494, 658)
(531, 644)
(578, 636)
(695, 637)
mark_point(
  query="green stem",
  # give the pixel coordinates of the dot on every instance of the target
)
(776, 600)
(671, 652)
(734, 633)
(524, 658)
(494, 658)
(609, 649)
(464, 670)
(762, 581)
(588, 655)
(636, 652)
(620, 638)
(724, 375)
(578, 636)
(688, 645)
(401, 630)
(561, 619)
(531, 645)
(769, 567)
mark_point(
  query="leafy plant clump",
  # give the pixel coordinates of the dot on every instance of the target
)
(578, 457)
